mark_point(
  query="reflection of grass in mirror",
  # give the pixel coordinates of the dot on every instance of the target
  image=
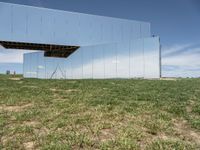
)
(99, 114)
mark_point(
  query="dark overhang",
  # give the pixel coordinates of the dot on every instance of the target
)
(51, 50)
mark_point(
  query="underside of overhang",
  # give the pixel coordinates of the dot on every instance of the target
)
(50, 50)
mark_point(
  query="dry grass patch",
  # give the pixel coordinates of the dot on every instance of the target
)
(15, 108)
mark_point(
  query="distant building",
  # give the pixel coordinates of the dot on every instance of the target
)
(79, 46)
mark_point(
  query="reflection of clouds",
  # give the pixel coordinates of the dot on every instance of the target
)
(8, 56)
(32, 73)
(41, 67)
(124, 67)
(1, 47)
(115, 61)
(185, 63)
(105, 61)
(12, 56)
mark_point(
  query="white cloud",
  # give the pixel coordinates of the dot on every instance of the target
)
(185, 62)
(175, 48)
(182, 60)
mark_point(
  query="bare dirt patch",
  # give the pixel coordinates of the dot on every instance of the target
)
(29, 145)
(106, 135)
(15, 108)
(190, 106)
(60, 90)
(183, 129)
(41, 131)
(30, 86)
(20, 82)
(15, 79)
(189, 109)
(169, 79)
(31, 123)
(4, 139)
(151, 138)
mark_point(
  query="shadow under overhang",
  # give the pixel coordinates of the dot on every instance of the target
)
(50, 50)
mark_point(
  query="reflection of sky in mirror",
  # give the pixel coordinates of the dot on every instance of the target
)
(138, 58)
(176, 22)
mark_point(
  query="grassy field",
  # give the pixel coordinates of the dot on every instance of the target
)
(99, 114)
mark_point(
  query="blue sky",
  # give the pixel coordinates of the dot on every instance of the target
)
(177, 22)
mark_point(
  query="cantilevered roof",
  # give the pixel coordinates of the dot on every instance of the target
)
(51, 50)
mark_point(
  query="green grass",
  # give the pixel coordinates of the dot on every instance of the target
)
(99, 114)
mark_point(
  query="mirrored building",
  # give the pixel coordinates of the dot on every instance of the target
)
(79, 46)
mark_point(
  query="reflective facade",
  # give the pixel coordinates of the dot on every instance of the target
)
(40, 25)
(109, 47)
(135, 59)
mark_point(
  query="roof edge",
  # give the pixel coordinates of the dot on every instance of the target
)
(51, 9)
